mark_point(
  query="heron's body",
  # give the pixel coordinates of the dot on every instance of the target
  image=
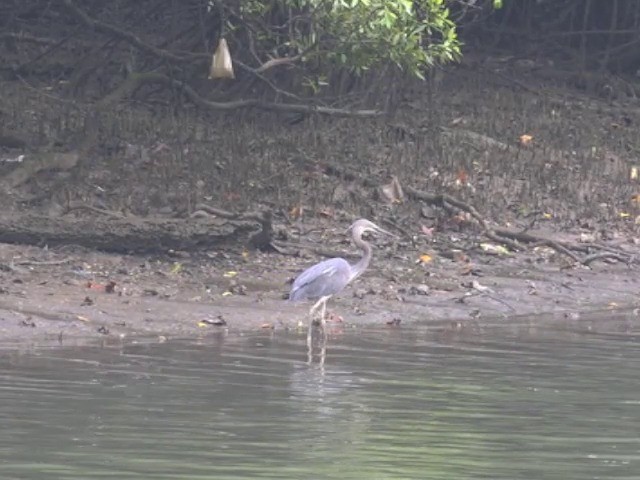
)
(323, 280)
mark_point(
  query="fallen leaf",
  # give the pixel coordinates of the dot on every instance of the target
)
(460, 257)
(547, 216)
(426, 231)
(227, 293)
(467, 269)
(525, 140)
(624, 215)
(633, 174)
(230, 274)
(392, 191)
(267, 326)
(425, 258)
(296, 212)
(421, 289)
(462, 217)
(462, 177)
(481, 288)
(492, 249)
(177, 267)
(107, 287)
(81, 318)
(219, 321)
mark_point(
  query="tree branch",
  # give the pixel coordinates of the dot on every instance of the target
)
(137, 80)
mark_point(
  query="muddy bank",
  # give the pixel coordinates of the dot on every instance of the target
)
(65, 296)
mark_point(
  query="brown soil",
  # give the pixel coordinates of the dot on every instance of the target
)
(59, 296)
(460, 137)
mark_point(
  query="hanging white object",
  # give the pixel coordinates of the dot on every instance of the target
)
(221, 64)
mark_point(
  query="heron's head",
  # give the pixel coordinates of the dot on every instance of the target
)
(359, 227)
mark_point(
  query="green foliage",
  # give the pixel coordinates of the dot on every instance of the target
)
(354, 34)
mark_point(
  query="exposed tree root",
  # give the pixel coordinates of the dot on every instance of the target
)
(262, 240)
(517, 240)
(130, 234)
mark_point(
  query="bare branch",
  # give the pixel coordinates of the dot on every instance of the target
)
(137, 80)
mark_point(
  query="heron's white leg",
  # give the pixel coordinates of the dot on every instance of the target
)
(323, 311)
(321, 302)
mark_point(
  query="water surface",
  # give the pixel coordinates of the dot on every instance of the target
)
(394, 403)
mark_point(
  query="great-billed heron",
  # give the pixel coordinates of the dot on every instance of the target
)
(323, 280)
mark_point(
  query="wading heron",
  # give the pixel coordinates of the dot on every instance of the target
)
(323, 280)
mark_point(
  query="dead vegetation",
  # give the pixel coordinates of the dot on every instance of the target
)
(95, 150)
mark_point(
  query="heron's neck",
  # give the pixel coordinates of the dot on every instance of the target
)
(363, 263)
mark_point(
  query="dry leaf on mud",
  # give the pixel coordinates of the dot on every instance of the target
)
(425, 258)
(460, 257)
(230, 274)
(525, 140)
(217, 322)
(296, 212)
(479, 287)
(633, 174)
(177, 266)
(492, 249)
(462, 178)
(462, 217)
(426, 231)
(221, 64)
(392, 191)
(108, 287)
(467, 269)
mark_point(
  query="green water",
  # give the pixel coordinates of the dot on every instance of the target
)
(502, 403)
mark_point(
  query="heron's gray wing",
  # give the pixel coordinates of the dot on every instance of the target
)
(324, 278)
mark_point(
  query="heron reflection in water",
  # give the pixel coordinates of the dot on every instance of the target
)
(323, 280)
